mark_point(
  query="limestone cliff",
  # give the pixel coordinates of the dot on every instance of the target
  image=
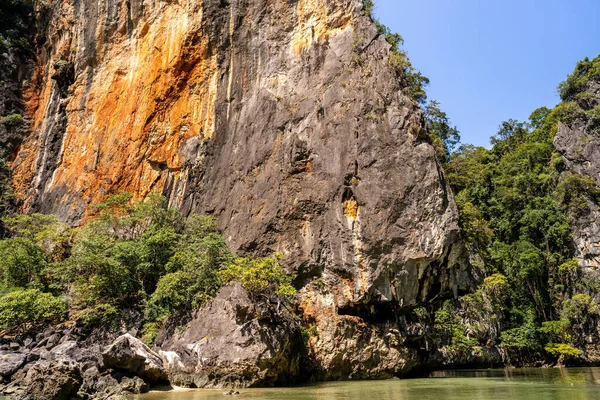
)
(285, 120)
(579, 144)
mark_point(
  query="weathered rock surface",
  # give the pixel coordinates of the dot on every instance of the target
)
(47, 380)
(11, 362)
(132, 355)
(285, 120)
(579, 144)
(235, 341)
(40, 365)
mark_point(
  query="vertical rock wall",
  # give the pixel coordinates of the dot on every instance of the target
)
(285, 120)
(579, 144)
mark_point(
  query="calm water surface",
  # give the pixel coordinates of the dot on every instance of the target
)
(511, 384)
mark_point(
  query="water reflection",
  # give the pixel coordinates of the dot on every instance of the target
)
(509, 384)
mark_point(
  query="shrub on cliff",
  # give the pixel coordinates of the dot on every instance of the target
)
(450, 332)
(192, 272)
(119, 257)
(22, 265)
(24, 309)
(411, 80)
(575, 192)
(444, 137)
(50, 234)
(7, 196)
(12, 120)
(134, 255)
(262, 277)
(577, 81)
(563, 351)
(15, 19)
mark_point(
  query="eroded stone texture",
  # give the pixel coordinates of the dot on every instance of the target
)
(133, 356)
(235, 341)
(284, 119)
(579, 144)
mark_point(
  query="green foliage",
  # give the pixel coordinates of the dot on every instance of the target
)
(7, 196)
(25, 309)
(450, 331)
(585, 71)
(22, 265)
(101, 314)
(46, 231)
(12, 120)
(368, 7)
(15, 20)
(259, 276)
(563, 351)
(192, 276)
(568, 112)
(516, 203)
(410, 79)
(524, 336)
(586, 100)
(574, 193)
(556, 331)
(593, 116)
(443, 136)
(120, 256)
(510, 134)
(135, 254)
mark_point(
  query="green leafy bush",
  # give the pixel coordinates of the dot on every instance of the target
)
(7, 197)
(576, 82)
(574, 192)
(259, 276)
(25, 309)
(524, 336)
(12, 120)
(568, 112)
(450, 331)
(101, 314)
(563, 351)
(192, 271)
(368, 7)
(443, 136)
(120, 256)
(556, 331)
(22, 264)
(46, 231)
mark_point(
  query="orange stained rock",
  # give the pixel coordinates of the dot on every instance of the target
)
(315, 24)
(125, 128)
(351, 209)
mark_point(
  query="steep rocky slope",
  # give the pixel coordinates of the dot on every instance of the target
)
(285, 120)
(579, 144)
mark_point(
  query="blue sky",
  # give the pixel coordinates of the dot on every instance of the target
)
(489, 61)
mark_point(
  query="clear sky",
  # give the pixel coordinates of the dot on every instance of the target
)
(491, 60)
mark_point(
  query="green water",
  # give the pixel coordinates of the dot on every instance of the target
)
(512, 384)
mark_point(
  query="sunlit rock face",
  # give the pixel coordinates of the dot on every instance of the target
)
(285, 120)
(122, 87)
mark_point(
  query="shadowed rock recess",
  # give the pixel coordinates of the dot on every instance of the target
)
(286, 121)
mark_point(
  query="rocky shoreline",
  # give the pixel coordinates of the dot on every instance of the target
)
(232, 342)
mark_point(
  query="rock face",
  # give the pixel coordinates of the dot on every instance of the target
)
(286, 120)
(132, 355)
(52, 381)
(579, 144)
(11, 362)
(61, 364)
(235, 341)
